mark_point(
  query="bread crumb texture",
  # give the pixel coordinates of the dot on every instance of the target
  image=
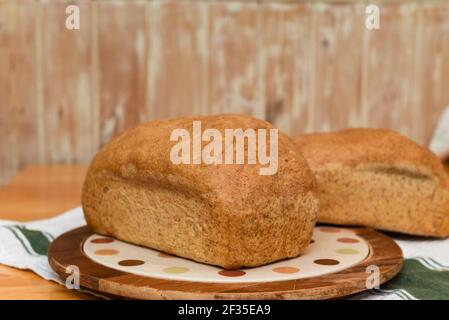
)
(227, 215)
(380, 179)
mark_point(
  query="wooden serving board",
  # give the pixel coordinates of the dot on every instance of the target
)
(67, 250)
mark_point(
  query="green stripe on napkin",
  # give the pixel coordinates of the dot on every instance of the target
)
(35, 242)
(423, 278)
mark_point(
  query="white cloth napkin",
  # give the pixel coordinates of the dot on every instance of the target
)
(22, 245)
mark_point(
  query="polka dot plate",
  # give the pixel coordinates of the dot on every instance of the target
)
(331, 250)
(339, 262)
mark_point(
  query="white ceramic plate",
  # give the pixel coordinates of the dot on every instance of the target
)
(332, 250)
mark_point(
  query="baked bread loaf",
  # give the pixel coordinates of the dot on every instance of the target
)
(222, 214)
(380, 179)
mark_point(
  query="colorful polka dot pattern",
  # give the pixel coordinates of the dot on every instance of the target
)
(102, 240)
(106, 252)
(231, 273)
(326, 262)
(286, 269)
(331, 250)
(130, 262)
(347, 251)
(347, 240)
(176, 270)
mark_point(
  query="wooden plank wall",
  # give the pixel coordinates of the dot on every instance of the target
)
(303, 66)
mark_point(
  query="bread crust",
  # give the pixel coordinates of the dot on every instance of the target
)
(378, 178)
(227, 215)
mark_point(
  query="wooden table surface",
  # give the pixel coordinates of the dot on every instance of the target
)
(39, 192)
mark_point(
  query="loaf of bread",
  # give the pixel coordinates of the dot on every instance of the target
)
(228, 215)
(380, 179)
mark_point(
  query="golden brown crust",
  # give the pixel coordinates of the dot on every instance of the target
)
(246, 212)
(144, 151)
(378, 178)
(353, 147)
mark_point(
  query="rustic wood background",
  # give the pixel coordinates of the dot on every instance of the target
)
(304, 66)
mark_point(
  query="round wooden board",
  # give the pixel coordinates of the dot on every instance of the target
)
(66, 250)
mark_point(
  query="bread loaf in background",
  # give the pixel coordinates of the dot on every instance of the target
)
(380, 179)
(227, 215)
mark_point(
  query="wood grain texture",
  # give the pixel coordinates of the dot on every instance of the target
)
(304, 66)
(338, 65)
(66, 250)
(233, 58)
(433, 83)
(389, 70)
(18, 110)
(285, 60)
(66, 84)
(177, 59)
(122, 43)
